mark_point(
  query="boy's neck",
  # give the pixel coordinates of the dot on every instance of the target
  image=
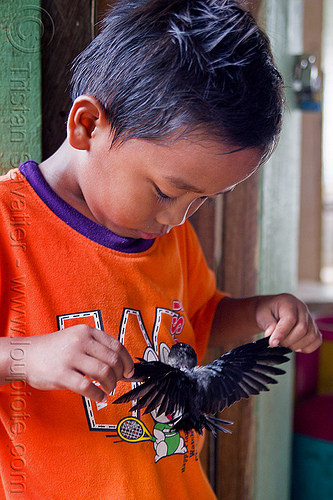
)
(60, 172)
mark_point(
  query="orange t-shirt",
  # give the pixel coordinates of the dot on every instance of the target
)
(57, 269)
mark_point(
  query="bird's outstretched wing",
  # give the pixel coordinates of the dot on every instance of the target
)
(163, 387)
(201, 391)
(239, 373)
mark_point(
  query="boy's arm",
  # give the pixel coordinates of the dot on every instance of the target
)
(68, 359)
(283, 317)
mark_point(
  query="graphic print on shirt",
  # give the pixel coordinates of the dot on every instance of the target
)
(166, 441)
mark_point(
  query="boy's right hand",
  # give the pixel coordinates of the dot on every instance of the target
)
(64, 360)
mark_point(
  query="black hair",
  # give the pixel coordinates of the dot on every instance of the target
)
(159, 67)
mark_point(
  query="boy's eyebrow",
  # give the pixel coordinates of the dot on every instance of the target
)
(181, 184)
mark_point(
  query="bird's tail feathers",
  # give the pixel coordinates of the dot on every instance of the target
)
(215, 424)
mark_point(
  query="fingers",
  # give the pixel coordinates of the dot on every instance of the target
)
(305, 337)
(112, 352)
(87, 361)
(79, 383)
(105, 364)
(104, 360)
(98, 371)
(288, 326)
(294, 327)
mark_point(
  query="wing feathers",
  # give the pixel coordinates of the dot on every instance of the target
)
(199, 392)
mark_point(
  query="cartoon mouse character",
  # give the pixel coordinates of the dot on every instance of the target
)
(166, 440)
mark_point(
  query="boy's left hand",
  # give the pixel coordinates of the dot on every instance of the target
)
(288, 322)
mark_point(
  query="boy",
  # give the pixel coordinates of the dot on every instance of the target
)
(174, 103)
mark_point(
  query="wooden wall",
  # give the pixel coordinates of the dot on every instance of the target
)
(73, 30)
(311, 197)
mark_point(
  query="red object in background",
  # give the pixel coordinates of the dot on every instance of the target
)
(314, 417)
(325, 325)
(307, 371)
(314, 412)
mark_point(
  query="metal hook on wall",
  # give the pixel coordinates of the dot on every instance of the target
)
(307, 83)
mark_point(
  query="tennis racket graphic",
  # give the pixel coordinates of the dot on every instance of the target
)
(132, 430)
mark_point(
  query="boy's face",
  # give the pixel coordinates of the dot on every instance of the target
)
(142, 189)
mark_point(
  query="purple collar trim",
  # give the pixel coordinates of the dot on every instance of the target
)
(75, 219)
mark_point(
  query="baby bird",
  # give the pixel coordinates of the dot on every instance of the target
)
(194, 394)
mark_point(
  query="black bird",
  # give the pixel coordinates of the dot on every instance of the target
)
(193, 394)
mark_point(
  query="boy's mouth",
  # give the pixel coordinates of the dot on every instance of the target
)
(152, 236)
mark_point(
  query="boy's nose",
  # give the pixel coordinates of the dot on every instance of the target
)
(178, 213)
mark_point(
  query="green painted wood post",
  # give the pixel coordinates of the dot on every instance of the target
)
(278, 260)
(21, 29)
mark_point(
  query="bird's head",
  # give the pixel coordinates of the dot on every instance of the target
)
(182, 356)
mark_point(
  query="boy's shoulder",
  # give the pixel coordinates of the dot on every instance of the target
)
(12, 184)
(15, 197)
(11, 177)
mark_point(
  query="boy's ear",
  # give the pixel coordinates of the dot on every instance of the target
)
(85, 116)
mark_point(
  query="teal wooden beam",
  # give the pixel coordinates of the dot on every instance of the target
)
(21, 29)
(278, 253)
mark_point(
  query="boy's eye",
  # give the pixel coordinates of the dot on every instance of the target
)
(162, 197)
